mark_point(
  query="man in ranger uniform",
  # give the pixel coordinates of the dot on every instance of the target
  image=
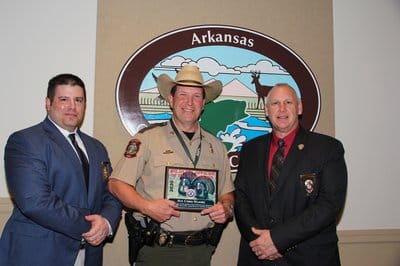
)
(138, 181)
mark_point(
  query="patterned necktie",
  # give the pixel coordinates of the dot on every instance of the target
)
(277, 163)
(82, 157)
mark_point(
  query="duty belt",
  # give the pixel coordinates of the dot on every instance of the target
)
(187, 238)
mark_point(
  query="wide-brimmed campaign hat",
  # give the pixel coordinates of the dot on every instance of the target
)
(189, 75)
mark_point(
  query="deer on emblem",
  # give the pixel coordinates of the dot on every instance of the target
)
(262, 90)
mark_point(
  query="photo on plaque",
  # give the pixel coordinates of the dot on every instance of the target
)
(192, 189)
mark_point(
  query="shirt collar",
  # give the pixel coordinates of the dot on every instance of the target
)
(62, 130)
(288, 138)
(195, 136)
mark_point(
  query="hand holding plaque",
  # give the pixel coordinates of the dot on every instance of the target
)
(192, 189)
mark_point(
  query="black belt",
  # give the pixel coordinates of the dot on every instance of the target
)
(188, 238)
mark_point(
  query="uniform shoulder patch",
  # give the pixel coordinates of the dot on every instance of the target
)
(151, 126)
(132, 148)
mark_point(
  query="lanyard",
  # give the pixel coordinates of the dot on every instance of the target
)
(198, 150)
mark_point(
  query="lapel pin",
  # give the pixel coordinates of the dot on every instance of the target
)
(300, 146)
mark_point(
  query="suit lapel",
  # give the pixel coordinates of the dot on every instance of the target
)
(71, 158)
(292, 157)
(263, 157)
(58, 138)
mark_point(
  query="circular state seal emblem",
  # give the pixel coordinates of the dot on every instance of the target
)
(248, 63)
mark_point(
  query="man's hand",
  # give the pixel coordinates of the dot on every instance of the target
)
(98, 231)
(219, 213)
(160, 210)
(263, 247)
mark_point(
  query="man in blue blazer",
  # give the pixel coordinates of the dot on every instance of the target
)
(57, 218)
(287, 213)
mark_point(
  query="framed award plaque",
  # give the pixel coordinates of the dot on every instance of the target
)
(192, 189)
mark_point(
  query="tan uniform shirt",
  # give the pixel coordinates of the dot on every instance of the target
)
(160, 147)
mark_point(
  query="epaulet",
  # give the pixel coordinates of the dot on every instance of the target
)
(151, 126)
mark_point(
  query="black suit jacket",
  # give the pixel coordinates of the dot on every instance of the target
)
(301, 214)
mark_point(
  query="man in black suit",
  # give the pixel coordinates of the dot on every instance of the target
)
(287, 215)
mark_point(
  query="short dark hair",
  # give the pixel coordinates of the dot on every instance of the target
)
(64, 79)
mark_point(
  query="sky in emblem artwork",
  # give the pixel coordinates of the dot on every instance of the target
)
(240, 111)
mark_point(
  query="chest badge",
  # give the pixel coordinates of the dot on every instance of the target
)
(104, 167)
(309, 182)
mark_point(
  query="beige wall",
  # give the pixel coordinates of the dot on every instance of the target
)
(124, 26)
(357, 247)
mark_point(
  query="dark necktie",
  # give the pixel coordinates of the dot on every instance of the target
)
(82, 157)
(277, 163)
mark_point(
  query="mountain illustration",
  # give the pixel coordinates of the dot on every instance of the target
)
(233, 88)
(237, 88)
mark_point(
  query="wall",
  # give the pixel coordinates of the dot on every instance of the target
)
(366, 45)
(126, 27)
(39, 40)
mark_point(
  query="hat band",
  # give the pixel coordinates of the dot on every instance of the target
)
(189, 81)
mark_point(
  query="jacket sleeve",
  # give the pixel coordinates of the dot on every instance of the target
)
(32, 192)
(111, 208)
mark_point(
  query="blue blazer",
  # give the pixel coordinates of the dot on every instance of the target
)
(46, 183)
(302, 211)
